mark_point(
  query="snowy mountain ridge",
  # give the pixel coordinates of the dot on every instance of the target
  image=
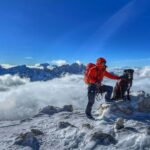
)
(43, 72)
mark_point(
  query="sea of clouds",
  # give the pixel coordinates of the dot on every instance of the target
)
(26, 99)
(20, 98)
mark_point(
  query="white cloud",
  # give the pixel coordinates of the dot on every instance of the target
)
(36, 66)
(7, 66)
(78, 62)
(26, 100)
(58, 62)
(145, 72)
(29, 57)
(9, 80)
(50, 67)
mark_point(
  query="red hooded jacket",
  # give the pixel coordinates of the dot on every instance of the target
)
(97, 74)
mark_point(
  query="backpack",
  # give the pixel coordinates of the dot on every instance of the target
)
(87, 72)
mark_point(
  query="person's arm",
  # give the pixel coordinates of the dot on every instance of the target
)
(111, 76)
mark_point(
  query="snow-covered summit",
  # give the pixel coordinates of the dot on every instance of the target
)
(119, 126)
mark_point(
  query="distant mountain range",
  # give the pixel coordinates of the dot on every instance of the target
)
(44, 71)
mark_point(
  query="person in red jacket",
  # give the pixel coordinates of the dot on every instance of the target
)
(96, 75)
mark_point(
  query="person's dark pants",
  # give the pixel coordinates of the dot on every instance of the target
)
(92, 89)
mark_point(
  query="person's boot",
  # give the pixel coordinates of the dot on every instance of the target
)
(113, 99)
(90, 116)
(88, 111)
(109, 100)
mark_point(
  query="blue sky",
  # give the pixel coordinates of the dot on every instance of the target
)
(34, 31)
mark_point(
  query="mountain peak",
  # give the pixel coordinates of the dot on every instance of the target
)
(44, 71)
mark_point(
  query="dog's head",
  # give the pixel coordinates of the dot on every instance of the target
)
(128, 73)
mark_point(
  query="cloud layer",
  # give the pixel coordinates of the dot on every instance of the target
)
(20, 98)
(8, 81)
(26, 100)
(58, 62)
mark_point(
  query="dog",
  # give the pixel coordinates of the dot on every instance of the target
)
(123, 86)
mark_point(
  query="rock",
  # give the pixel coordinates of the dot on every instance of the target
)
(28, 139)
(37, 132)
(147, 95)
(25, 120)
(87, 125)
(122, 108)
(68, 108)
(119, 124)
(103, 138)
(63, 125)
(67, 117)
(148, 130)
(141, 94)
(50, 110)
(144, 105)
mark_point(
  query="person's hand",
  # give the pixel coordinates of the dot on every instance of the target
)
(122, 77)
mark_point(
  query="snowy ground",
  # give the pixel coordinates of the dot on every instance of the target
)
(21, 99)
(78, 134)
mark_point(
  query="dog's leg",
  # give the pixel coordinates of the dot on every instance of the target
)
(123, 94)
(114, 93)
(128, 94)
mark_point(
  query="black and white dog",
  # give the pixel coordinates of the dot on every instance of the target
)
(122, 87)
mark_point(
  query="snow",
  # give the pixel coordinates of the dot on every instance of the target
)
(22, 101)
(36, 66)
(76, 136)
(78, 62)
(58, 62)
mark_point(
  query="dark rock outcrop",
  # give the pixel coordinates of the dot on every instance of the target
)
(28, 139)
(68, 108)
(144, 105)
(87, 125)
(148, 130)
(119, 124)
(103, 138)
(62, 125)
(37, 132)
(51, 110)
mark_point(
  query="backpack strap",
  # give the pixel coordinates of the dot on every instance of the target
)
(96, 72)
